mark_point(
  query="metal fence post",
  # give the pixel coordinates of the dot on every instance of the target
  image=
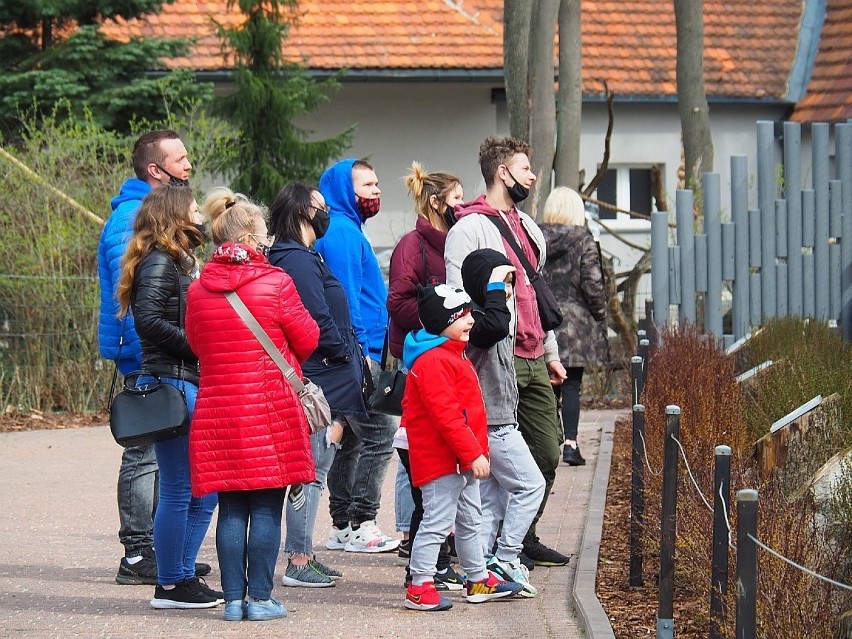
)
(843, 153)
(660, 266)
(712, 186)
(684, 207)
(739, 216)
(767, 193)
(819, 178)
(746, 564)
(668, 525)
(721, 506)
(637, 496)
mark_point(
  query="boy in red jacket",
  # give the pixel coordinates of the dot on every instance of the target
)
(448, 447)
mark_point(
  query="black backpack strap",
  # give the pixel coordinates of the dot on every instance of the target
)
(532, 274)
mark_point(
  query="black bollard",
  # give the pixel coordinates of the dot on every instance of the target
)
(638, 378)
(746, 563)
(721, 506)
(637, 496)
(668, 525)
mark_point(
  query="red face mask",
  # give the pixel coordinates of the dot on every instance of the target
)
(368, 207)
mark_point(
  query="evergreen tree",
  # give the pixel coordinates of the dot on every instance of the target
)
(52, 50)
(269, 93)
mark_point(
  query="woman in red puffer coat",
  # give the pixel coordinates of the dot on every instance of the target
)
(249, 438)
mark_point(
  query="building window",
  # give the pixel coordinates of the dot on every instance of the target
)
(629, 188)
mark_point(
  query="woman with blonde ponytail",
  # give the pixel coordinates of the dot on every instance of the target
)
(418, 259)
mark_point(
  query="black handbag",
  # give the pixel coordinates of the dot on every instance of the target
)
(548, 308)
(387, 396)
(151, 413)
(148, 414)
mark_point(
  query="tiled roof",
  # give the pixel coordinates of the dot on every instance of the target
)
(750, 46)
(829, 94)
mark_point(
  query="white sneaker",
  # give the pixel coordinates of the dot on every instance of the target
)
(513, 571)
(337, 538)
(368, 538)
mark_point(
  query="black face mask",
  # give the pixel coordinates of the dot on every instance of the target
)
(174, 181)
(518, 192)
(449, 216)
(320, 222)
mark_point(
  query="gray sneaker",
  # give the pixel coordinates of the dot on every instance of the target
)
(328, 571)
(307, 576)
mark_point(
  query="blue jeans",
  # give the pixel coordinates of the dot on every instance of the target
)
(248, 537)
(137, 488)
(300, 523)
(181, 520)
(404, 504)
(356, 476)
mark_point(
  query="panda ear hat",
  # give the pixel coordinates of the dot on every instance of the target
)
(440, 305)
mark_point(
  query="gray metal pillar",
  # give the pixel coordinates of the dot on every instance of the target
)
(767, 262)
(712, 186)
(746, 564)
(843, 153)
(767, 183)
(739, 215)
(755, 242)
(660, 266)
(835, 249)
(819, 179)
(782, 306)
(684, 206)
(792, 193)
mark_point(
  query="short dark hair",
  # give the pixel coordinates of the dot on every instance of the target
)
(292, 205)
(147, 151)
(495, 151)
(363, 165)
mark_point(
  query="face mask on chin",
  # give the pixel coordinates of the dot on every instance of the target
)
(517, 192)
(368, 207)
(174, 181)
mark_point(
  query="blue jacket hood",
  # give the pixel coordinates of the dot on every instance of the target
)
(132, 189)
(417, 343)
(336, 187)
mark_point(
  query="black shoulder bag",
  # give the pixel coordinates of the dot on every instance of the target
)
(148, 414)
(548, 309)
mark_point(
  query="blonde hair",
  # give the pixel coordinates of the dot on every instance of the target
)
(162, 222)
(564, 206)
(423, 186)
(232, 215)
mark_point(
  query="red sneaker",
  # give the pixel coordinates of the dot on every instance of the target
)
(425, 597)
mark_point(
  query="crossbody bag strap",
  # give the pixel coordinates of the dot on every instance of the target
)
(257, 330)
(117, 359)
(532, 274)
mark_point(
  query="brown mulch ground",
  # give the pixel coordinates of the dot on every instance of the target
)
(13, 420)
(633, 611)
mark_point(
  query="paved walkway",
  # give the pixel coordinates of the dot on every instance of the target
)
(59, 553)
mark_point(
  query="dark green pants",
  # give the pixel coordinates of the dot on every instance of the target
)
(538, 422)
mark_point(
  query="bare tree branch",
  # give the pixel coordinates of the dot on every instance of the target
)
(593, 185)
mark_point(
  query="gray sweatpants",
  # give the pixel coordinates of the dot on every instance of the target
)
(512, 493)
(446, 500)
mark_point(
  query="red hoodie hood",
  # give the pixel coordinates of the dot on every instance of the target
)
(232, 266)
(479, 205)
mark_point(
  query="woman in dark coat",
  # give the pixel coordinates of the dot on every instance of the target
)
(298, 217)
(575, 274)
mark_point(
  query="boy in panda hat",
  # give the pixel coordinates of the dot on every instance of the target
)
(448, 447)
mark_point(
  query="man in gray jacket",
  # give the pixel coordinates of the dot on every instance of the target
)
(505, 165)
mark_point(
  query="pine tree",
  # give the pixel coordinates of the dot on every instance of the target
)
(51, 50)
(269, 93)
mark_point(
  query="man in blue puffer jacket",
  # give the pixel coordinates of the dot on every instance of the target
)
(159, 157)
(351, 191)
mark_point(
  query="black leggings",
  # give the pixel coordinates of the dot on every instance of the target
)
(570, 391)
(417, 515)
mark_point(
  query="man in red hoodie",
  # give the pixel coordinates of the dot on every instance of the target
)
(505, 165)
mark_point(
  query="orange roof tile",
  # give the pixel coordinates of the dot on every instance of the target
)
(750, 46)
(829, 94)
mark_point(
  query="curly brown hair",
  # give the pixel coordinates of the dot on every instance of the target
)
(162, 222)
(496, 151)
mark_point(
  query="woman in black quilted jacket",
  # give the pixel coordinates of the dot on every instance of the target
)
(575, 274)
(156, 271)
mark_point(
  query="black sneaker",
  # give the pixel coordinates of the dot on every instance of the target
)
(142, 572)
(572, 456)
(207, 590)
(542, 555)
(526, 561)
(184, 595)
(403, 553)
(449, 579)
(201, 570)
